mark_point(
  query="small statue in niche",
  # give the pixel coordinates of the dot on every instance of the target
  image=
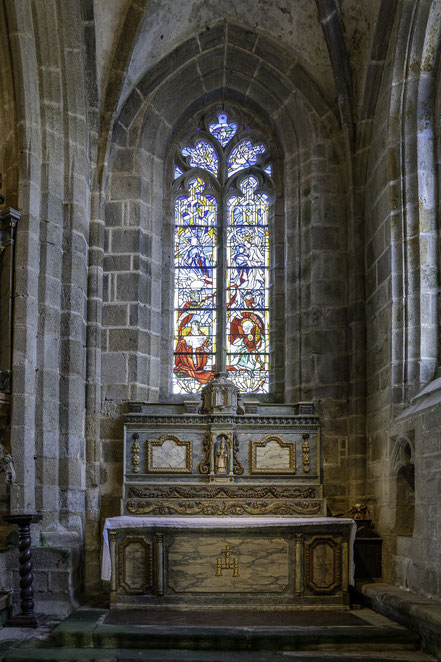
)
(7, 465)
(221, 455)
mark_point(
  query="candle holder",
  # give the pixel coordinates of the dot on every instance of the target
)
(27, 618)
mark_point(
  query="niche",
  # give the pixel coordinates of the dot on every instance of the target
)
(404, 471)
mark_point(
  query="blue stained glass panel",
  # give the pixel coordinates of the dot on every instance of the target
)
(178, 172)
(203, 155)
(195, 208)
(223, 130)
(247, 247)
(194, 290)
(244, 155)
(195, 246)
(268, 170)
(249, 209)
(243, 297)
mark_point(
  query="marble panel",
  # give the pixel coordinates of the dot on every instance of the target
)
(228, 564)
(169, 454)
(135, 565)
(272, 455)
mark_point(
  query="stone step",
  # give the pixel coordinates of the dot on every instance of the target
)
(85, 629)
(118, 655)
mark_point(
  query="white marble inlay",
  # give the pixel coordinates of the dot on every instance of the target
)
(272, 456)
(170, 455)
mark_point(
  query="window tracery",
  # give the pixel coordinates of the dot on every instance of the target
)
(222, 193)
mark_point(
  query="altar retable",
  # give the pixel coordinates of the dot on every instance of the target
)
(223, 506)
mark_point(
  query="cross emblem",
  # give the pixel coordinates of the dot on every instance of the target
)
(229, 563)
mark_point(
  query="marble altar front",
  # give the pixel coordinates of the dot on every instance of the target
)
(259, 562)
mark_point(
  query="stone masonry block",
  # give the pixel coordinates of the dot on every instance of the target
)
(125, 240)
(114, 368)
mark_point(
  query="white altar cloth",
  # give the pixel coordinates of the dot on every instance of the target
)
(128, 522)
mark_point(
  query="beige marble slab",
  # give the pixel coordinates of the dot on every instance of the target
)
(262, 564)
(135, 569)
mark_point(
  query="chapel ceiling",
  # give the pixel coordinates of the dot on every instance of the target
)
(164, 24)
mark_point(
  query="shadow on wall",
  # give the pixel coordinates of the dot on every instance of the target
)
(404, 473)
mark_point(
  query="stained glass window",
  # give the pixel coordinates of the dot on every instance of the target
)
(223, 130)
(221, 264)
(203, 155)
(244, 156)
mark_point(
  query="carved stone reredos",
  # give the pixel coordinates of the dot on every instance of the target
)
(219, 396)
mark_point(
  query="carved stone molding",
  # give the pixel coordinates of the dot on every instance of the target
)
(204, 465)
(223, 508)
(224, 492)
(237, 467)
(223, 419)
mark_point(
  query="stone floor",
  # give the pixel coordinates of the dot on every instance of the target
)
(92, 633)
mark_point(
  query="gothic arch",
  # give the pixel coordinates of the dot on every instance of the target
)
(306, 127)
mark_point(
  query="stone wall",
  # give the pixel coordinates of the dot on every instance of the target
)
(402, 275)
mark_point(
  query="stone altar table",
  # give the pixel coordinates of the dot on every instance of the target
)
(258, 562)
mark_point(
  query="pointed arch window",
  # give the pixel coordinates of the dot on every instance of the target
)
(222, 200)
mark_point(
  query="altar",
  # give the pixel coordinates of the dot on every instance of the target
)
(275, 563)
(223, 506)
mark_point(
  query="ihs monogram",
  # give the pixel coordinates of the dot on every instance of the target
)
(227, 565)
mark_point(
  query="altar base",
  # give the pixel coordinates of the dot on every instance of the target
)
(259, 563)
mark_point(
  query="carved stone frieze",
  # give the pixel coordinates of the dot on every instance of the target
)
(222, 509)
(224, 492)
(225, 419)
